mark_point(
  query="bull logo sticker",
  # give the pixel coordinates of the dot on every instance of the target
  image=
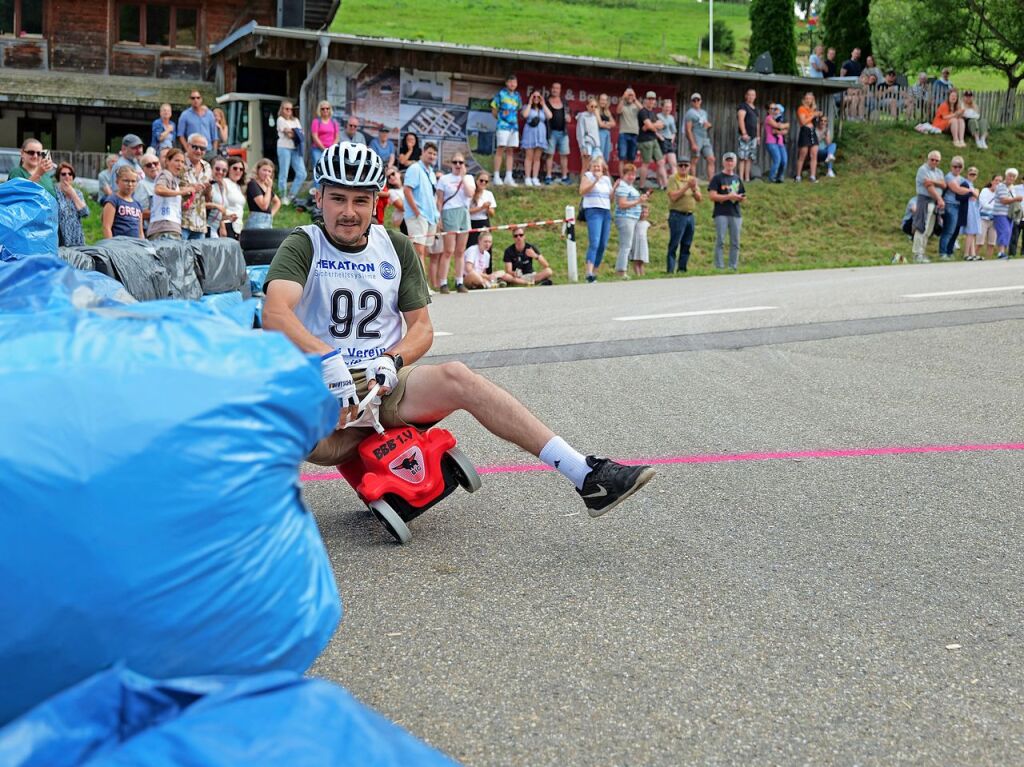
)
(409, 466)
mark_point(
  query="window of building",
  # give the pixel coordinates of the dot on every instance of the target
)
(21, 17)
(156, 23)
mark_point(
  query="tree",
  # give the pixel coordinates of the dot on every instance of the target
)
(725, 41)
(990, 33)
(772, 29)
(846, 26)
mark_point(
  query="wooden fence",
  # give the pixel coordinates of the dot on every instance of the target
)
(882, 103)
(86, 164)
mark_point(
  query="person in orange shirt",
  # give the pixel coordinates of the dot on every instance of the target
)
(807, 115)
(949, 118)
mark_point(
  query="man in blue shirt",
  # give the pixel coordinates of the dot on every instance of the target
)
(383, 147)
(421, 202)
(505, 108)
(198, 119)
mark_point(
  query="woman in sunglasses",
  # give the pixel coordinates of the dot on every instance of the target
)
(481, 207)
(454, 192)
(235, 197)
(71, 208)
(323, 131)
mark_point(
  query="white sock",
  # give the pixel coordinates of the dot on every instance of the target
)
(562, 458)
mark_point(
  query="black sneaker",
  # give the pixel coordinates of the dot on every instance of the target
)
(608, 484)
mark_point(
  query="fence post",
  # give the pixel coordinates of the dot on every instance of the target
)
(570, 244)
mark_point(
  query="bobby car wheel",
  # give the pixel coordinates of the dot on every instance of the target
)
(465, 471)
(388, 517)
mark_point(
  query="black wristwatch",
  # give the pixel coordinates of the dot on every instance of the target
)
(396, 358)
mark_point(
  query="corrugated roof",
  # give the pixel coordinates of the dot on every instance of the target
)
(101, 91)
(515, 57)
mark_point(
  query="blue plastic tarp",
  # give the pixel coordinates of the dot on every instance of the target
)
(41, 283)
(231, 305)
(28, 218)
(150, 508)
(277, 719)
(257, 276)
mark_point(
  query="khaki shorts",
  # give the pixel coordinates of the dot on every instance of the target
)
(342, 444)
(420, 231)
(988, 232)
(650, 151)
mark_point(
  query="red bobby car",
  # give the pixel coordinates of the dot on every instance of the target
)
(403, 471)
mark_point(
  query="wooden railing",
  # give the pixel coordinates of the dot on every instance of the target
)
(882, 103)
(86, 164)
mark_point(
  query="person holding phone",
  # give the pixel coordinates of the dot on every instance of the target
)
(727, 192)
(36, 165)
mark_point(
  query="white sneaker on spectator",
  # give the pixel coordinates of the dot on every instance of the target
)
(498, 181)
(509, 181)
(831, 173)
(536, 181)
(922, 260)
(830, 158)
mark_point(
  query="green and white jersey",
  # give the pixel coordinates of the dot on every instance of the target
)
(352, 298)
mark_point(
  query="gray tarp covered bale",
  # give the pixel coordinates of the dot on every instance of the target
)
(179, 259)
(134, 264)
(221, 266)
(76, 258)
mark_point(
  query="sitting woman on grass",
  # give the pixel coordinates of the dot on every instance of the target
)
(949, 118)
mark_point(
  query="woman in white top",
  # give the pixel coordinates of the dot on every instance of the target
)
(217, 216)
(596, 188)
(289, 151)
(235, 197)
(478, 261)
(481, 207)
(165, 205)
(986, 208)
(454, 192)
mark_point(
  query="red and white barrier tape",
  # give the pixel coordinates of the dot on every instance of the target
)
(525, 225)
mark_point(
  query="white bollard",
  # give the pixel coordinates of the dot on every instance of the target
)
(570, 244)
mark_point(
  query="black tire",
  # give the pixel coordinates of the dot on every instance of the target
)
(259, 257)
(262, 239)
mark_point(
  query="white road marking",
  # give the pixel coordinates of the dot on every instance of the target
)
(695, 314)
(441, 333)
(963, 292)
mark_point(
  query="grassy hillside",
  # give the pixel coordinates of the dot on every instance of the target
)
(852, 220)
(638, 30)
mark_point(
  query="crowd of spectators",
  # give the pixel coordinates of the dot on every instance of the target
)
(935, 105)
(955, 203)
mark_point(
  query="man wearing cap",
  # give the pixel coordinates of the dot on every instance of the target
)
(505, 107)
(647, 139)
(131, 151)
(683, 196)
(698, 139)
(727, 192)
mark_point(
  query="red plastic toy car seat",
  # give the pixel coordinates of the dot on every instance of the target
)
(402, 472)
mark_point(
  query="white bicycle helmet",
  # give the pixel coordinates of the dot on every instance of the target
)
(355, 166)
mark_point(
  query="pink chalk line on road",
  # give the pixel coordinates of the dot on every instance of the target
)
(735, 457)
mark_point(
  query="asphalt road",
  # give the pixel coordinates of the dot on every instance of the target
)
(813, 610)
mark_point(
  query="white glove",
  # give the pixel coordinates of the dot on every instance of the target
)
(338, 379)
(383, 370)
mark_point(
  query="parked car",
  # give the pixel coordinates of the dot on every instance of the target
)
(9, 159)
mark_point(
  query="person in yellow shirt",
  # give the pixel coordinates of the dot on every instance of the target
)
(683, 196)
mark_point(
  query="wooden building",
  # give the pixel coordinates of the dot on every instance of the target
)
(446, 85)
(79, 74)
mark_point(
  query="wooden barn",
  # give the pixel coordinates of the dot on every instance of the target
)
(448, 85)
